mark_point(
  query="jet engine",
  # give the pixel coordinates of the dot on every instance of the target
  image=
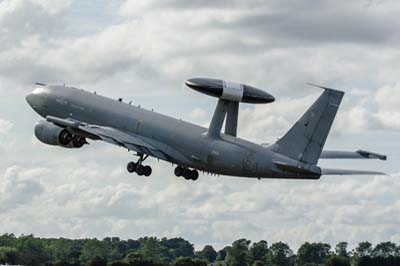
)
(51, 134)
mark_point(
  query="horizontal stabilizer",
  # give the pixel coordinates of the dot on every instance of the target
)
(327, 171)
(360, 154)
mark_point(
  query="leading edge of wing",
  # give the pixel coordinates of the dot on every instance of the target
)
(359, 154)
(121, 138)
(331, 171)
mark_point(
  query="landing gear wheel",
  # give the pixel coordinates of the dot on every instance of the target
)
(179, 171)
(187, 174)
(147, 170)
(194, 175)
(140, 170)
(131, 167)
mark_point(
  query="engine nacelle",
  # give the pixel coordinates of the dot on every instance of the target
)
(51, 134)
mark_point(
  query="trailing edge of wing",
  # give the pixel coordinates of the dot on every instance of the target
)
(360, 154)
(327, 171)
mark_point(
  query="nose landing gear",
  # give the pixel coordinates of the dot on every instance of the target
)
(138, 167)
(186, 173)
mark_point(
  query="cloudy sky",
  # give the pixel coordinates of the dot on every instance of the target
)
(143, 50)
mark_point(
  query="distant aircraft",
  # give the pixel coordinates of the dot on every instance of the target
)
(73, 116)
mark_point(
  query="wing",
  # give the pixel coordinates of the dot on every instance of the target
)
(327, 171)
(121, 138)
(360, 154)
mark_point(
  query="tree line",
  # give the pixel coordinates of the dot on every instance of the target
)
(151, 251)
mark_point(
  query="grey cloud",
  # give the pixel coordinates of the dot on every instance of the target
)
(290, 22)
(20, 19)
(321, 27)
(17, 188)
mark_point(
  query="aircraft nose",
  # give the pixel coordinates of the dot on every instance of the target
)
(37, 100)
(33, 100)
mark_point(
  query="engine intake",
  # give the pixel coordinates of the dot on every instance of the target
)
(51, 134)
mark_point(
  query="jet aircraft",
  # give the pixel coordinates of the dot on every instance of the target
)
(73, 116)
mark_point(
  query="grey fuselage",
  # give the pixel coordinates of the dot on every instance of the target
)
(225, 155)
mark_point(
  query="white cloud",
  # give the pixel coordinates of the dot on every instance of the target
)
(5, 126)
(211, 210)
(19, 187)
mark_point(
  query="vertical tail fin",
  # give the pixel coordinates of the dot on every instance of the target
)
(305, 140)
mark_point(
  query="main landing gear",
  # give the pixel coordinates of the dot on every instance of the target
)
(186, 173)
(138, 167)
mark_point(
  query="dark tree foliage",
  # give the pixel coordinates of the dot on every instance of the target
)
(8, 255)
(338, 261)
(341, 249)
(364, 249)
(378, 261)
(31, 251)
(238, 254)
(221, 254)
(118, 263)
(97, 261)
(187, 261)
(207, 253)
(259, 251)
(178, 247)
(135, 259)
(313, 253)
(151, 251)
(385, 250)
(258, 263)
(280, 254)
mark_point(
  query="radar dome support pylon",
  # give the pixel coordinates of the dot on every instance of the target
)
(230, 94)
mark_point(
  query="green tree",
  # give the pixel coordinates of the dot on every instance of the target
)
(341, 249)
(279, 254)
(313, 253)
(97, 261)
(32, 251)
(93, 248)
(7, 240)
(136, 259)
(64, 251)
(238, 254)
(178, 247)
(338, 261)
(364, 249)
(259, 251)
(221, 254)
(186, 261)
(208, 253)
(118, 263)
(153, 250)
(258, 263)
(8, 255)
(385, 250)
